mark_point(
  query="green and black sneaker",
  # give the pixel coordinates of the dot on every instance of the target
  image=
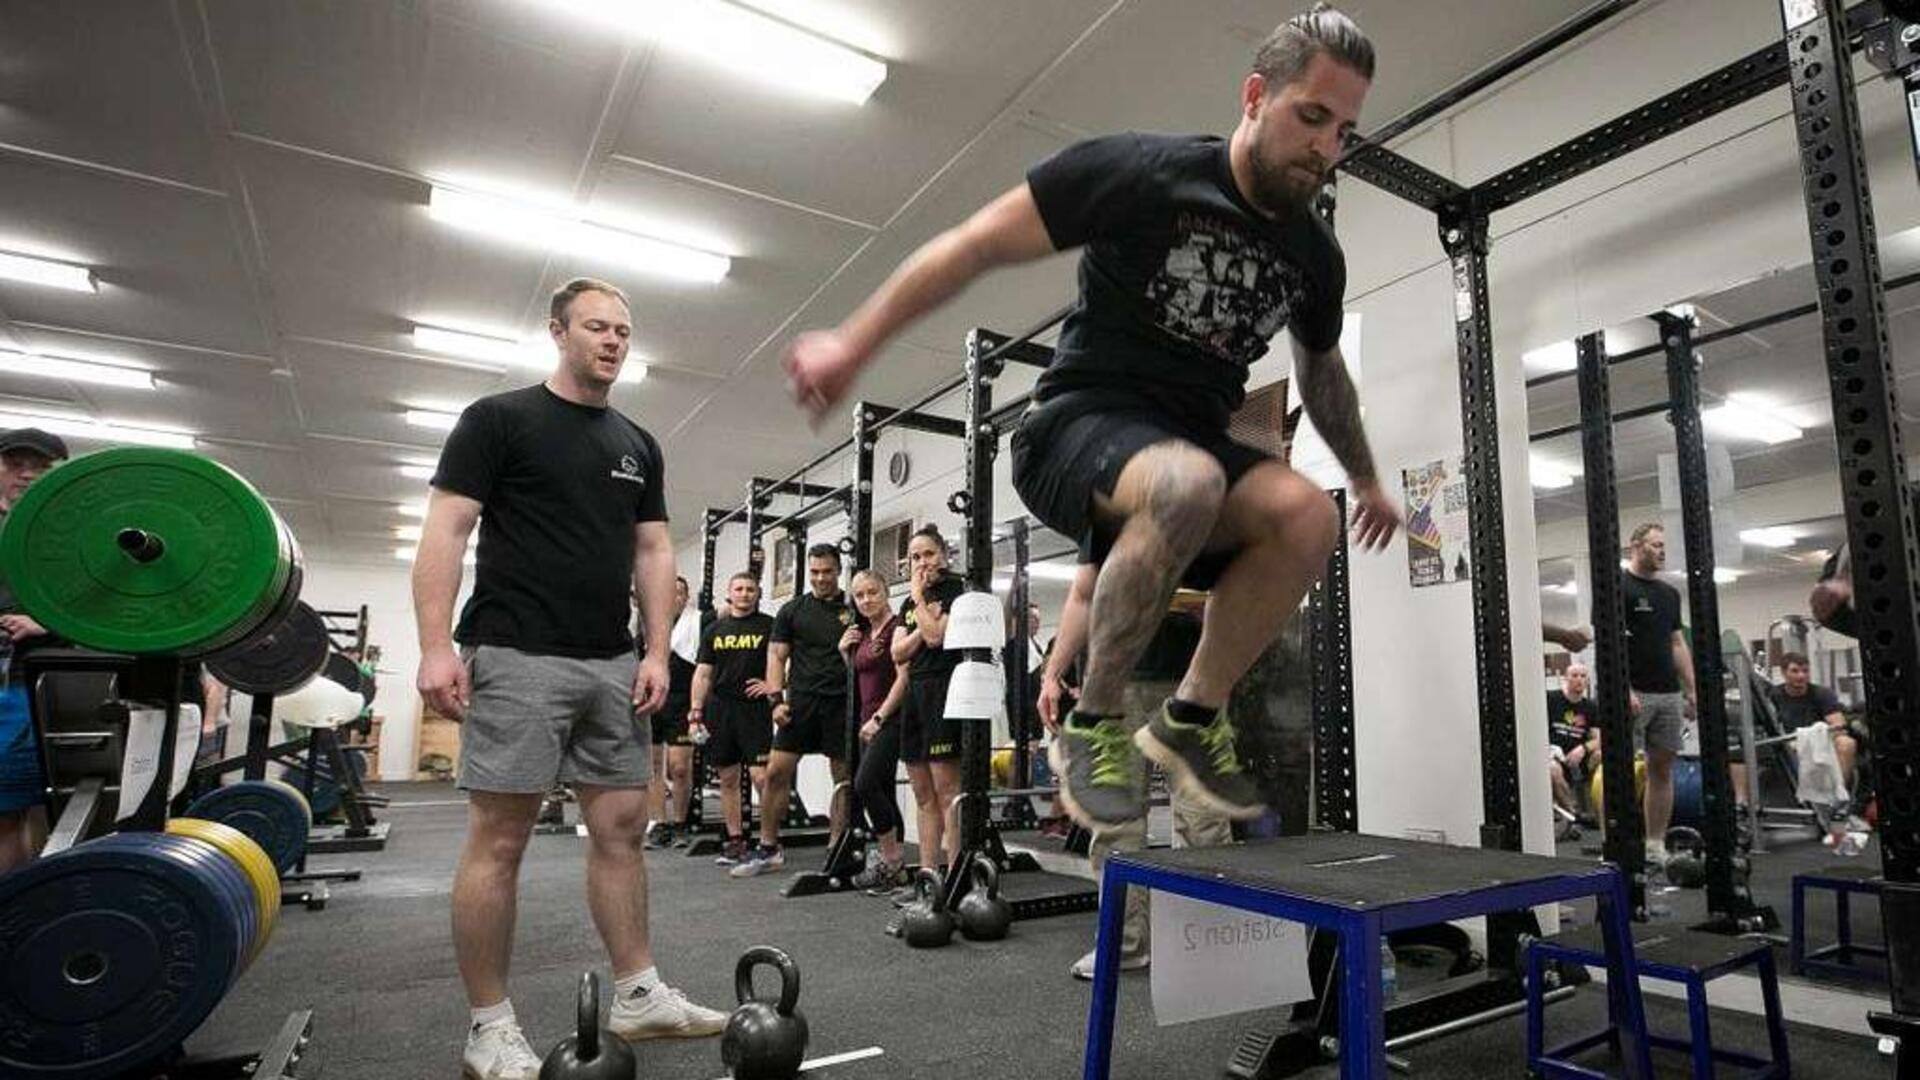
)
(1103, 784)
(1201, 763)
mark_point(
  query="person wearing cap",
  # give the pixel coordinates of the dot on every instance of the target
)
(25, 455)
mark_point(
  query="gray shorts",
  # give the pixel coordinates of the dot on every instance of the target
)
(1660, 723)
(536, 720)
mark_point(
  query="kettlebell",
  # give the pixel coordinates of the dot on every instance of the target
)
(591, 1052)
(984, 916)
(925, 924)
(763, 1040)
(1686, 859)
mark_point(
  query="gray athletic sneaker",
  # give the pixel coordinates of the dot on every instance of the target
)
(1201, 763)
(1103, 784)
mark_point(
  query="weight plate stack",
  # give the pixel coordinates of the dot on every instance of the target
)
(236, 893)
(114, 951)
(145, 550)
(278, 661)
(262, 878)
(271, 813)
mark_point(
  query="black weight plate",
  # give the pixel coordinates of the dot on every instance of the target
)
(279, 661)
(114, 951)
(268, 813)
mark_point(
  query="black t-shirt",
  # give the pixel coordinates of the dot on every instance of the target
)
(812, 627)
(1183, 283)
(1812, 707)
(1653, 614)
(561, 487)
(1569, 721)
(737, 649)
(933, 662)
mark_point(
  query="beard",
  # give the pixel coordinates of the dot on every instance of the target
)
(1277, 186)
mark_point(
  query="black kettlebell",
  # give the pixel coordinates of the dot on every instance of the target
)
(925, 924)
(1686, 858)
(764, 1040)
(591, 1052)
(984, 916)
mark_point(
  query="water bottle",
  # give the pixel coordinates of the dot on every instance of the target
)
(1389, 972)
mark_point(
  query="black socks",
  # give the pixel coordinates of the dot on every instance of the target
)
(1186, 712)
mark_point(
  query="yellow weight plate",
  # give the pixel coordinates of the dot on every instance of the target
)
(252, 860)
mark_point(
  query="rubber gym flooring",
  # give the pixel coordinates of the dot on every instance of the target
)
(377, 968)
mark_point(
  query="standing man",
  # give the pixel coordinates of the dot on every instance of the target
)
(672, 741)
(1659, 675)
(807, 679)
(730, 700)
(25, 455)
(1199, 251)
(568, 494)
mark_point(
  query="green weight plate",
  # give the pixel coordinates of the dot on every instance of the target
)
(144, 550)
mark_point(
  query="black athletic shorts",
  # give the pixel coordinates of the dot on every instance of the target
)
(925, 732)
(1067, 450)
(816, 724)
(738, 731)
(670, 724)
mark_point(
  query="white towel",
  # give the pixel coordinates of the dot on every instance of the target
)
(685, 638)
(1821, 782)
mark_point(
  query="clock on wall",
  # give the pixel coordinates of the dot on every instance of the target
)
(899, 468)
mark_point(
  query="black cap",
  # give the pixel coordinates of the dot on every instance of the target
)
(41, 442)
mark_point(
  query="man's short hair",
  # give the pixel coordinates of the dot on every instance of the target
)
(1791, 658)
(1286, 52)
(825, 551)
(564, 296)
(1641, 530)
(1578, 667)
(744, 575)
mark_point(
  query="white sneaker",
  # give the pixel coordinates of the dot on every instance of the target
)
(498, 1051)
(1082, 968)
(662, 1013)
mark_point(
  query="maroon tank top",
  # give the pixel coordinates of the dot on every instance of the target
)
(873, 666)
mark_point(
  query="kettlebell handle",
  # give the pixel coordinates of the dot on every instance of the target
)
(986, 876)
(926, 886)
(587, 1019)
(775, 958)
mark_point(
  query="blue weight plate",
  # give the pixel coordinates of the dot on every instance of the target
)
(113, 952)
(267, 813)
(227, 876)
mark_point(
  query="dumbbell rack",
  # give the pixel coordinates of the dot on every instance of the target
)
(153, 679)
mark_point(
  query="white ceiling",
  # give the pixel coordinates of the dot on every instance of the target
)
(249, 178)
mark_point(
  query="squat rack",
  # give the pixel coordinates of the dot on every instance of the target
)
(1814, 60)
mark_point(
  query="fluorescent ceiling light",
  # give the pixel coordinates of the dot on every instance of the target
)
(409, 533)
(101, 430)
(1548, 475)
(562, 229)
(1565, 588)
(86, 371)
(750, 44)
(1742, 416)
(413, 509)
(1725, 576)
(534, 351)
(1773, 536)
(432, 418)
(1559, 356)
(1047, 571)
(417, 472)
(50, 272)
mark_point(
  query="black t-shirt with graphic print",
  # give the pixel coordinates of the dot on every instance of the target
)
(812, 628)
(1183, 284)
(1653, 615)
(933, 662)
(560, 487)
(736, 646)
(1568, 721)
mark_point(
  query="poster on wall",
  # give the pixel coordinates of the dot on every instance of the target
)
(1436, 509)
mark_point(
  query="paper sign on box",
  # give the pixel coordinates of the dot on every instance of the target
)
(1210, 960)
